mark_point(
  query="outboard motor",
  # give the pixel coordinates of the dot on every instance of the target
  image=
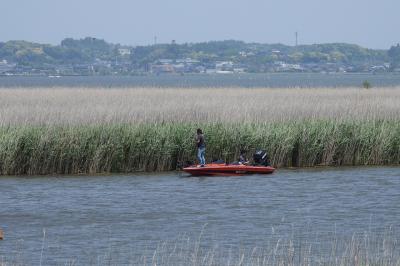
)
(261, 158)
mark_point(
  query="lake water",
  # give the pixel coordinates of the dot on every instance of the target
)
(272, 80)
(89, 219)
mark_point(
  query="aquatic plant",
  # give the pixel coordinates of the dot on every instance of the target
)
(70, 131)
(356, 249)
(161, 146)
(361, 249)
(67, 106)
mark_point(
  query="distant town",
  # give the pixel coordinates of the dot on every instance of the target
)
(92, 56)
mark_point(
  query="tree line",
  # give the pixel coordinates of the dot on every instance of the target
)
(87, 50)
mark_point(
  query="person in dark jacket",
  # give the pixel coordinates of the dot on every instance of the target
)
(201, 147)
(243, 158)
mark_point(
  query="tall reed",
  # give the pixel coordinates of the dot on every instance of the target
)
(63, 106)
(159, 147)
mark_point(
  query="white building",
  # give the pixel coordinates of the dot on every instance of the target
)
(5, 66)
(124, 51)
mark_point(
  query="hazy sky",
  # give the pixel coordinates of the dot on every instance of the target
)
(370, 23)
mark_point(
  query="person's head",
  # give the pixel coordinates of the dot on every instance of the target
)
(199, 131)
(243, 151)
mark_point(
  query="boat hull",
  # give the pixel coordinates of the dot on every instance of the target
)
(228, 170)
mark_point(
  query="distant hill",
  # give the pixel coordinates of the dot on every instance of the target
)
(254, 57)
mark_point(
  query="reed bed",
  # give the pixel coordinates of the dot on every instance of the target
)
(160, 147)
(63, 106)
(72, 131)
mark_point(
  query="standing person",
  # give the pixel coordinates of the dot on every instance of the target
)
(201, 147)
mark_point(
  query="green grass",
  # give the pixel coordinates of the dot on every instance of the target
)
(112, 148)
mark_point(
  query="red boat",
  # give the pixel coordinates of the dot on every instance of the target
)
(227, 169)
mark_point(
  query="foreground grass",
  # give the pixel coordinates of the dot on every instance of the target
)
(354, 250)
(358, 249)
(160, 147)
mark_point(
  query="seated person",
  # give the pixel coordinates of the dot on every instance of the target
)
(242, 158)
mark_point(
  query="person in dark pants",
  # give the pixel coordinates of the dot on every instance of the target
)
(201, 147)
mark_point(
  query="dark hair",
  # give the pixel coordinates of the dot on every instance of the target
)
(199, 131)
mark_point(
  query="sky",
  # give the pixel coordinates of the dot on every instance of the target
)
(369, 23)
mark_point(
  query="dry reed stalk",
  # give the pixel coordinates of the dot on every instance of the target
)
(67, 106)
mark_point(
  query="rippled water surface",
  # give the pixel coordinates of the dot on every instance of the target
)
(85, 218)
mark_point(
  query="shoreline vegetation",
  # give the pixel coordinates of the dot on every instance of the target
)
(87, 131)
(93, 149)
